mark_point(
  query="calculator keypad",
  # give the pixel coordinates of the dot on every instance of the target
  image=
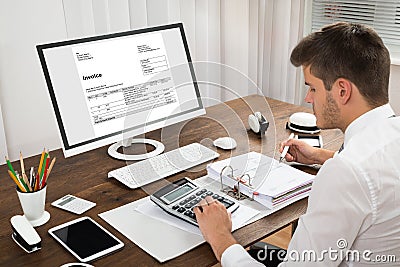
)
(187, 205)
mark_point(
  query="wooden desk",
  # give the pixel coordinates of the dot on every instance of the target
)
(85, 176)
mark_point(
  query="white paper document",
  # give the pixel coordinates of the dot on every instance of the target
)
(142, 85)
(149, 227)
(263, 178)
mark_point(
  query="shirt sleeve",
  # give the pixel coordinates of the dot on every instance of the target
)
(236, 255)
(339, 208)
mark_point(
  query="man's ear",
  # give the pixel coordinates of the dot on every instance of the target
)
(344, 89)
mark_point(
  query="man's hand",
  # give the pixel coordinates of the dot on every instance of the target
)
(215, 224)
(301, 152)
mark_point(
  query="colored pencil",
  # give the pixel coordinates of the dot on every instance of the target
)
(23, 174)
(10, 166)
(21, 180)
(42, 181)
(39, 169)
(37, 180)
(48, 172)
(21, 160)
(16, 181)
(51, 166)
(27, 182)
(41, 160)
(43, 166)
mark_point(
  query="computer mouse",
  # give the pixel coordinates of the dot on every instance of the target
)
(225, 143)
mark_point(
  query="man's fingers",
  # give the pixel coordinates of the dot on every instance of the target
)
(209, 200)
(198, 210)
(202, 202)
(282, 146)
(288, 142)
(199, 206)
(206, 201)
(289, 157)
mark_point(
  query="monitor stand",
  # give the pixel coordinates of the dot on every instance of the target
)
(113, 149)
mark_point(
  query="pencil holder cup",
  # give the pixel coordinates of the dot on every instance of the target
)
(32, 204)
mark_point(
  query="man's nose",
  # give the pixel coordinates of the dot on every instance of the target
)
(308, 98)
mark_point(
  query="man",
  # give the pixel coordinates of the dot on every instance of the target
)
(354, 204)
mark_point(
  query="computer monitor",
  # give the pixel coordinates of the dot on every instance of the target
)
(96, 83)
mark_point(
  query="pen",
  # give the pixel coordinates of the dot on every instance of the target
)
(31, 177)
(285, 149)
(34, 180)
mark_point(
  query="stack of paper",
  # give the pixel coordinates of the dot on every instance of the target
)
(267, 181)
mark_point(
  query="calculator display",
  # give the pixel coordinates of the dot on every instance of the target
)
(183, 190)
(69, 199)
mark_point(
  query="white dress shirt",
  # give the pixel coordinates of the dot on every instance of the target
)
(354, 204)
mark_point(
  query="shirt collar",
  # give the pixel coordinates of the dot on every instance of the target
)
(369, 118)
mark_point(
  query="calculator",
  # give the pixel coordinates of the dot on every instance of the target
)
(180, 197)
(73, 204)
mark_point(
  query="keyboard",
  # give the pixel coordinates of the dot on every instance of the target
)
(156, 168)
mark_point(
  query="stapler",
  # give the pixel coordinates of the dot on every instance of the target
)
(24, 234)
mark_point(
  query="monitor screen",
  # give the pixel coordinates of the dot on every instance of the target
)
(96, 83)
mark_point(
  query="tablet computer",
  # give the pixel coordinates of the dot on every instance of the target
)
(86, 239)
(312, 140)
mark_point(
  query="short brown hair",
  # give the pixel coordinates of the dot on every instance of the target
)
(351, 51)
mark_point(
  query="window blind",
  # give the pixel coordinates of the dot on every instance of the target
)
(382, 15)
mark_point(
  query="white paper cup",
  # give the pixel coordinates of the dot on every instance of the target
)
(32, 204)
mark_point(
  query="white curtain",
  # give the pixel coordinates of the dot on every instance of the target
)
(283, 23)
(253, 37)
(3, 143)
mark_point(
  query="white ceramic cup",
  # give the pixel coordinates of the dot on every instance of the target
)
(32, 204)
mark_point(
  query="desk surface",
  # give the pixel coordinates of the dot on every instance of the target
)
(85, 176)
